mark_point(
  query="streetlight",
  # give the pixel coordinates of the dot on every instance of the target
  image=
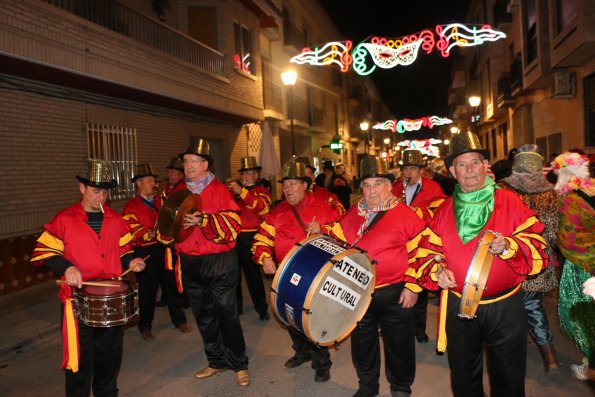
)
(364, 125)
(454, 130)
(289, 78)
(474, 101)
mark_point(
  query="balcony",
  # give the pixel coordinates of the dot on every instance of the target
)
(273, 101)
(505, 98)
(516, 77)
(574, 43)
(115, 16)
(316, 118)
(292, 37)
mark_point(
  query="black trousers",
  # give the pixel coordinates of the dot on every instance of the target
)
(210, 282)
(420, 311)
(173, 299)
(321, 358)
(396, 327)
(252, 273)
(100, 360)
(500, 328)
(148, 284)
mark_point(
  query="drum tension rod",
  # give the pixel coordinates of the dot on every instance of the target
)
(273, 290)
(307, 311)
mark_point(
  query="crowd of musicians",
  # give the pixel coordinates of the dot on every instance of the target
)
(490, 250)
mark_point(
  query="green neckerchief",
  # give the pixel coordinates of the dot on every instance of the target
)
(473, 209)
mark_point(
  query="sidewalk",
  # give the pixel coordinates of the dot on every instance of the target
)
(29, 318)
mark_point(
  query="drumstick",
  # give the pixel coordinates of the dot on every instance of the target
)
(94, 283)
(130, 269)
(308, 234)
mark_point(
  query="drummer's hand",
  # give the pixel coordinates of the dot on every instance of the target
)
(194, 219)
(73, 277)
(498, 245)
(137, 265)
(446, 278)
(268, 265)
(407, 298)
(313, 228)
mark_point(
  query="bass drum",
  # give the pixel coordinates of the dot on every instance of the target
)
(323, 288)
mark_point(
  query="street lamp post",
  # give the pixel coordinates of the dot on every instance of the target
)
(289, 78)
(364, 125)
(474, 101)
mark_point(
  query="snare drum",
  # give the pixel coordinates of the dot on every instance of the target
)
(323, 288)
(103, 306)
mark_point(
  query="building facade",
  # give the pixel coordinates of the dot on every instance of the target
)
(538, 84)
(132, 81)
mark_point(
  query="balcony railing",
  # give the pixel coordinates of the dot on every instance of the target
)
(505, 97)
(316, 117)
(273, 99)
(292, 36)
(113, 15)
(516, 76)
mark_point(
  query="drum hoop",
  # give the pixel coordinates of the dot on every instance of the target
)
(311, 292)
(281, 270)
(477, 276)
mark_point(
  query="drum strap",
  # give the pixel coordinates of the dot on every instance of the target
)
(299, 219)
(374, 221)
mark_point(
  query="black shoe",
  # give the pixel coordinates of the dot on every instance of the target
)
(322, 375)
(362, 393)
(264, 316)
(421, 336)
(160, 303)
(296, 361)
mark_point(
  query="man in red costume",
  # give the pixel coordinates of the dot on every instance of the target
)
(500, 322)
(254, 201)
(170, 295)
(287, 224)
(209, 267)
(319, 191)
(387, 230)
(86, 241)
(423, 195)
(141, 215)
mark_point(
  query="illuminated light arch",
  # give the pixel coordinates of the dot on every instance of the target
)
(425, 146)
(387, 53)
(408, 125)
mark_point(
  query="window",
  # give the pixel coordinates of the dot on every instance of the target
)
(118, 146)
(566, 12)
(590, 110)
(494, 144)
(243, 49)
(531, 30)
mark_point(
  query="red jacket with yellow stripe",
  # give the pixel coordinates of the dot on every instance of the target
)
(280, 229)
(387, 242)
(95, 255)
(511, 218)
(220, 226)
(254, 202)
(141, 216)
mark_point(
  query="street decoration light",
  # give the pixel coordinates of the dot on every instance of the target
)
(386, 53)
(289, 78)
(408, 125)
(425, 146)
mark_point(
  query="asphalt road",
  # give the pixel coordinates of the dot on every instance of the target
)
(166, 365)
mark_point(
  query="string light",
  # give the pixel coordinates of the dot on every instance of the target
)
(387, 53)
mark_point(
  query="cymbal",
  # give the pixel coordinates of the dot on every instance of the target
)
(167, 214)
(190, 205)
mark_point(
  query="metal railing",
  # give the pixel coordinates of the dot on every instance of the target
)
(113, 15)
(273, 99)
(316, 118)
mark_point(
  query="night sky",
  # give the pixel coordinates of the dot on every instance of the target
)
(419, 89)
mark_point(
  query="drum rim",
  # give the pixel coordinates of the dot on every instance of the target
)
(311, 293)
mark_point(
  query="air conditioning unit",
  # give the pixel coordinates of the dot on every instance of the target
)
(562, 85)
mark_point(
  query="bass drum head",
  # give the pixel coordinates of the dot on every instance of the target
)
(339, 297)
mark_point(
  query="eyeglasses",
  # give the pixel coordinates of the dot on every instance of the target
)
(193, 161)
